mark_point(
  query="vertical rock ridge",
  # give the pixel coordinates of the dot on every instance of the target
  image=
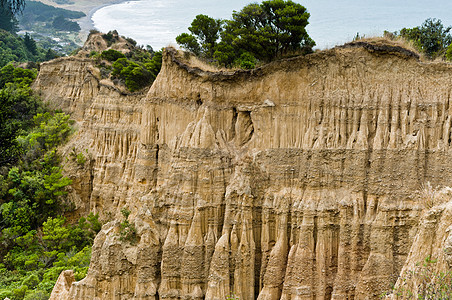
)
(296, 180)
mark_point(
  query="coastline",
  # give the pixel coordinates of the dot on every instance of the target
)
(86, 23)
(89, 7)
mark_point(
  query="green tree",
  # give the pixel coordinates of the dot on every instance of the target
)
(189, 42)
(155, 64)
(264, 32)
(205, 33)
(269, 30)
(431, 38)
(111, 55)
(17, 106)
(63, 24)
(135, 75)
(30, 43)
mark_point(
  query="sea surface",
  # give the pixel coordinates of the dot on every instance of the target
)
(332, 22)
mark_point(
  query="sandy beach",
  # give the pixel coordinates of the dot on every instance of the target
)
(89, 7)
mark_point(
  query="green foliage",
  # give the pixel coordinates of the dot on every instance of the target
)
(135, 69)
(246, 61)
(50, 131)
(17, 106)
(449, 52)
(205, 33)
(36, 11)
(231, 297)
(189, 42)
(263, 32)
(137, 73)
(41, 260)
(127, 231)
(13, 48)
(63, 24)
(112, 55)
(37, 242)
(154, 64)
(30, 43)
(78, 158)
(111, 37)
(425, 282)
(431, 38)
(130, 40)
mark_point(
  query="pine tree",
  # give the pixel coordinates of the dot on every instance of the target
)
(30, 43)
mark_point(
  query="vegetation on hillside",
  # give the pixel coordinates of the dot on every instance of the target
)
(135, 69)
(39, 14)
(424, 281)
(16, 49)
(431, 38)
(52, 28)
(37, 242)
(259, 32)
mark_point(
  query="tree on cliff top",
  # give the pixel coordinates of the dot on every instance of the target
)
(263, 31)
(269, 30)
(205, 32)
(431, 38)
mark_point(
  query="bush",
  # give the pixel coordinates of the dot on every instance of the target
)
(127, 232)
(37, 295)
(31, 281)
(111, 37)
(449, 52)
(431, 38)
(247, 61)
(112, 55)
(136, 76)
(78, 158)
(425, 282)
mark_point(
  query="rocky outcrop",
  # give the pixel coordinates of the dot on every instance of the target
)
(427, 271)
(296, 180)
(63, 285)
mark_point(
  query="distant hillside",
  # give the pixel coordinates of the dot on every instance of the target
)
(17, 49)
(38, 12)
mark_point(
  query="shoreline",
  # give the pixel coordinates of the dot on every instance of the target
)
(86, 23)
(89, 7)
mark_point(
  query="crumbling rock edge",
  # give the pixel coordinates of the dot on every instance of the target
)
(298, 180)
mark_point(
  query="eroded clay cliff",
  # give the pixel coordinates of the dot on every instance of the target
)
(297, 180)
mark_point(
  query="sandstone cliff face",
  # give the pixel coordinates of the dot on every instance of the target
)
(297, 180)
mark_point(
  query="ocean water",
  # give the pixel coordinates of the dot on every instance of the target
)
(332, 22)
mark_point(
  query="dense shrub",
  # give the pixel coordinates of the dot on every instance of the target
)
(13, 48)
(431, 38)
(37, 241)
(138, 71)
(112, 55)
(63, 24)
